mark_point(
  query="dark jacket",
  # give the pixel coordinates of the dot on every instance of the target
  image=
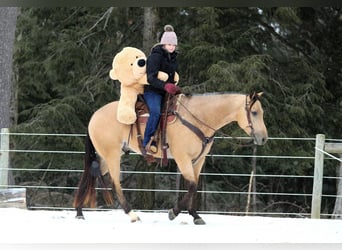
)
(160, 60)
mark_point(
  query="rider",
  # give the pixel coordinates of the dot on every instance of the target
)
(163, 57)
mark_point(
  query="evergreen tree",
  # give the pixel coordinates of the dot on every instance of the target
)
(293, 55)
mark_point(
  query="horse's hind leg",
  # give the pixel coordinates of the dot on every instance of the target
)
(123, 202)
(113, 164)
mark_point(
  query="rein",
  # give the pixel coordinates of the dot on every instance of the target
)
(248, 107)
(205, 139)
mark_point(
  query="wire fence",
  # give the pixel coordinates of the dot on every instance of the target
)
(49, 187)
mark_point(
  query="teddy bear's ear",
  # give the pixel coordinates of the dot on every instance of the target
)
(113, 75)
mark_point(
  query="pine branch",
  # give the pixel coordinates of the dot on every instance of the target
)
(285, 41)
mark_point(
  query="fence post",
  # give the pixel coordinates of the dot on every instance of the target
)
(318, 178)
(4, 157)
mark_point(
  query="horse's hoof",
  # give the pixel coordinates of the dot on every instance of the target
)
(172, 214)
(80, 217)
(135, 220)
(199, 221)
(134, 217)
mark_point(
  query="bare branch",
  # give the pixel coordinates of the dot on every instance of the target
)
(105, 15)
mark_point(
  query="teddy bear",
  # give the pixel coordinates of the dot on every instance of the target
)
(129, 67)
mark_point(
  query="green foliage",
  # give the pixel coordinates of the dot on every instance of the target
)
(293, 55)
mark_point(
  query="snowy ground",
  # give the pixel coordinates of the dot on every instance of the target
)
(24, 226)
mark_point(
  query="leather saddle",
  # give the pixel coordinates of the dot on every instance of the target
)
(170, 106)
(142, 111)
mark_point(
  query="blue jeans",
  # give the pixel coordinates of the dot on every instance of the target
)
(154, 102)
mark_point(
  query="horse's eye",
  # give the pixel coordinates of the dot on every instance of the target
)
(131, 64)
(254, 113)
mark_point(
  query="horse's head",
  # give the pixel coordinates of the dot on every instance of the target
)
(251, 119)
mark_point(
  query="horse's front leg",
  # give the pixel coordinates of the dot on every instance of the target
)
(188, 202)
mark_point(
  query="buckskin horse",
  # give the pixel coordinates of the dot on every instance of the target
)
(189, 138)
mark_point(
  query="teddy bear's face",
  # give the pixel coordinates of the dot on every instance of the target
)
(139, 66)
(129, 65)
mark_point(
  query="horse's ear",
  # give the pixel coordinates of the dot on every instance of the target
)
(253, 96)
(260, 94)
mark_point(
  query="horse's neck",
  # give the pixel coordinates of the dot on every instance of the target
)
(216, 110)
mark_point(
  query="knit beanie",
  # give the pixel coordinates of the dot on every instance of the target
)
(169, 36)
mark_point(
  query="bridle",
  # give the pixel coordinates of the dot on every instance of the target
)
(248, 106)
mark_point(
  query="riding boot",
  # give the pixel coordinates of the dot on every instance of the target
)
(148, 156)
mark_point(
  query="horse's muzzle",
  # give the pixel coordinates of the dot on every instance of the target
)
(260, 139)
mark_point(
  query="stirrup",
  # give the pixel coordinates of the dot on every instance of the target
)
(147, 155)
(151, 146)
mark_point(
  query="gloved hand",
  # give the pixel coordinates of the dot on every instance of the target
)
(172, 88)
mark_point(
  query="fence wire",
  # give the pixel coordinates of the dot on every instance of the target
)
(165, 173)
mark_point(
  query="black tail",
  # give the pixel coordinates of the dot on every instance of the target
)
(86, 193)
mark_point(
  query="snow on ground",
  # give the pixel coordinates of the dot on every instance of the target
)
(25, 226)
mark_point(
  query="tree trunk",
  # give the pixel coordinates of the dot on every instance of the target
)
(337, 214)
(146, 199)
(149, 30)
(8, 20)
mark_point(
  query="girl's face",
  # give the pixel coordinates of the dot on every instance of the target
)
(170, 47)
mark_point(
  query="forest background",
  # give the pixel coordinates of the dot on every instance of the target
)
(62, 57)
